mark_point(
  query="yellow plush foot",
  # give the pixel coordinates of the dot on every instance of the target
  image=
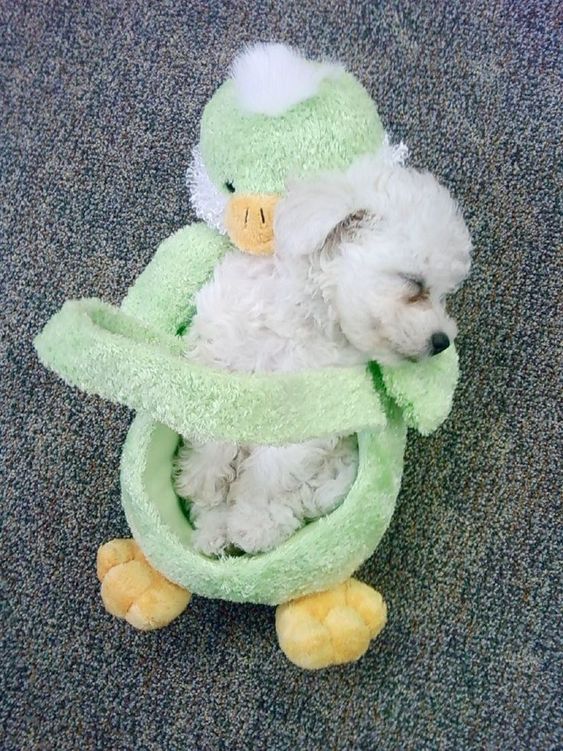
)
(332, 627)
(134, 590)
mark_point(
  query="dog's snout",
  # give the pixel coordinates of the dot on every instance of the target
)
(439, 342)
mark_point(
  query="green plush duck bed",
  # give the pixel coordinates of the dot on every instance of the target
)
(132, 355)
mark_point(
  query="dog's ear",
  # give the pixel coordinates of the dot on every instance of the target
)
(313, 211)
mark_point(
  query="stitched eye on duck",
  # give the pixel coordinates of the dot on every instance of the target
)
(229, 187)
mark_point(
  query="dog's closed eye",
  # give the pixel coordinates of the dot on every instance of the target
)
(416, 289)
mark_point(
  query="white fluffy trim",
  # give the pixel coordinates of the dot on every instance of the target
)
(392, 154)
(271, 78)
(208, 201)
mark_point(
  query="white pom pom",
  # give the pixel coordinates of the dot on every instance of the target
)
(271, 78)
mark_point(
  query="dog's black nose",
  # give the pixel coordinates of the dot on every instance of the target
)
(439, 342)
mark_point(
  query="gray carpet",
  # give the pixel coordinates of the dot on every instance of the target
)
(100, 106)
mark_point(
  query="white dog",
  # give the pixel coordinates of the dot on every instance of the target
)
(363, 263)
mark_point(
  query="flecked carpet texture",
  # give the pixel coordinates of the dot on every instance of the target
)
(100, 107)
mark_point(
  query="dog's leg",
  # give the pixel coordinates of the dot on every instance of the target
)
(210, 534)
(332, 470)
(204, 473)
(255, 525)
(277, 488)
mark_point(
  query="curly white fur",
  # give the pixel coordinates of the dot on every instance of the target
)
(364, 260)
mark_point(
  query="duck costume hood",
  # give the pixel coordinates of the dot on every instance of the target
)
(277, 117)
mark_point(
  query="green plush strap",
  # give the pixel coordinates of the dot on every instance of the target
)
(163, 295)
(133, 357)
(424, 390)
(100, 349)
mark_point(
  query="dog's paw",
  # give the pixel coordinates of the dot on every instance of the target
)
(256, 530)
(210, 540)
(204, 472)
(332, 627)
(210, 533)
(132, 589)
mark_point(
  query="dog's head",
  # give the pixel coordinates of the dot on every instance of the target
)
(385, 245)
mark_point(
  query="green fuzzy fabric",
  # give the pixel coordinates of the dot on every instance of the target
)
(424, 390)
(101, 350)
(163, 294)
(134, 357)
(257, 153)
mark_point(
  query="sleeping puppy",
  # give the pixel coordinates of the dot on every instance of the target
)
(364, 261)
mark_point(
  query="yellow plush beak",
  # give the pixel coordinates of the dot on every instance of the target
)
(249, 220)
